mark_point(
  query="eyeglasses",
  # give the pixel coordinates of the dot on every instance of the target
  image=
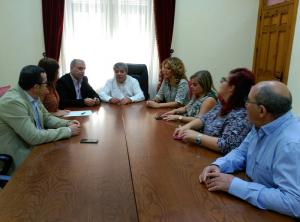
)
(44, 83)
(223, 79)
(247, 100)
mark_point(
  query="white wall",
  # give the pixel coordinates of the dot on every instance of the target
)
(219, 35)
(216, 35)
(21, 37)
(294, 72)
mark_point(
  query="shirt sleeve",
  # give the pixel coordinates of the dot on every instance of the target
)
(16, 115)
(160, 94)
(285, 197)
(236, 159)
(235, 130)
(50, 121)
(182, 92)
(138, 93)
(105, 92)
(210, 114)
(87, 90)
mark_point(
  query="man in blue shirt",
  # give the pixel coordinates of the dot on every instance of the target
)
(270, 154)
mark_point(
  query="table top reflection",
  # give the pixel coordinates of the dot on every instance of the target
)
(136, 172)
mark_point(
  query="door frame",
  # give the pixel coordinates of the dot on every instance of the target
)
(290, 43)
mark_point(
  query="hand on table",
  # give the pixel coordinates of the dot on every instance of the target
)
(74, 122)
(60, 113)
(89, 102)
(152, 104)
(170, 117)
(75, 129)
(114, 100)
(125, 101)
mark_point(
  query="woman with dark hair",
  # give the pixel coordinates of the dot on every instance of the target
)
(226, 125)
(203, 100)
(174, 90)
(51, 100)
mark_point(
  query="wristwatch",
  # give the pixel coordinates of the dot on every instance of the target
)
(198, 139)
(179, 118)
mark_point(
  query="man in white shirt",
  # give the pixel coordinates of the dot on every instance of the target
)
(122, 89)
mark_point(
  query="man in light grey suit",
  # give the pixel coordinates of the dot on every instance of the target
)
(24, 121)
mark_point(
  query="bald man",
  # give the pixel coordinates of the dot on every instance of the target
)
(74, 89)
(270, 154)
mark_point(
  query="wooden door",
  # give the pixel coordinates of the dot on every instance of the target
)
(274, 37)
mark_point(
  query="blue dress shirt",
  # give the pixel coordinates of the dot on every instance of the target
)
(271, 155)
(35, 104)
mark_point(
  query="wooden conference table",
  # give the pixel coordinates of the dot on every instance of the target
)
(136, 172)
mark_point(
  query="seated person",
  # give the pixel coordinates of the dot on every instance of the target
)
(270, 154)
(226, 125)
(73, 88)
(174, 90)
(203, 100)
(122, 89)
(51, 99)
(24, 121)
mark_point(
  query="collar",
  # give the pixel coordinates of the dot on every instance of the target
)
(75, 81)
(29, 97)
(272, 126)
(123, 83)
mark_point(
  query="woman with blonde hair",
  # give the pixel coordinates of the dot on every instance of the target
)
(226, 125)
(174, 91)
(203, 100)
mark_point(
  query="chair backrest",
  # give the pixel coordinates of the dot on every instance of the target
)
(3, 89)
(140, 72)
(5, 164)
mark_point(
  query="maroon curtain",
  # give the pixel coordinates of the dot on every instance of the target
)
(164, 12)
(53, 17)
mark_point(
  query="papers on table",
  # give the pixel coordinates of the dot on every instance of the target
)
(79, 113)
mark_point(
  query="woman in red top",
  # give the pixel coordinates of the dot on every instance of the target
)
(51, 100)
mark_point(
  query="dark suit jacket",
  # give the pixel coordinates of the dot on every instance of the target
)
(66, 90)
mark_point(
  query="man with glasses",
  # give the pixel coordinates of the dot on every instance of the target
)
(24, 121)
(270, 154)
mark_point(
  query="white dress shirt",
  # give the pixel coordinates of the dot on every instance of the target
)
(77, 85)
(130, 88)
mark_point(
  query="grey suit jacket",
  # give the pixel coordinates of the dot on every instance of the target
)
(18, 132)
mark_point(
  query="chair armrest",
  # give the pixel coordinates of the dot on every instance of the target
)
(6, 163)
(3, 180)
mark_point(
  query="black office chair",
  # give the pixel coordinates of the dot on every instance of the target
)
(140, 72)
(5, 164)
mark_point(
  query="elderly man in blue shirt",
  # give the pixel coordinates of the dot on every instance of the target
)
(270, 154)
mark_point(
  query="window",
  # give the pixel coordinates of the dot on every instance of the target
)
(103, 32)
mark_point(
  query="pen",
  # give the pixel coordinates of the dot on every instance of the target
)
(82, 113)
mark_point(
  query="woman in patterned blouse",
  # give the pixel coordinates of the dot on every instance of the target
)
(51, 100)
(174, 91)
(226, 125)
(203, 100)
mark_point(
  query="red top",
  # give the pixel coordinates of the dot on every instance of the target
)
(51, 100)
